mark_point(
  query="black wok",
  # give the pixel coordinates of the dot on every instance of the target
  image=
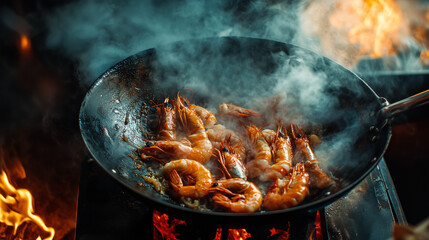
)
(347, 113)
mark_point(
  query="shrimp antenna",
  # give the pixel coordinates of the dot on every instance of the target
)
(191, 90)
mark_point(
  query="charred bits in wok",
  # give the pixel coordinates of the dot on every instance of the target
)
(224, 162)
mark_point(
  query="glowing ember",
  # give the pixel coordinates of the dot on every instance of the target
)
(238, 234)
(218, 234)
(16, 207)
(318, 230)
(376, 29)
(163, 229)
(25, 43)
(281, 234)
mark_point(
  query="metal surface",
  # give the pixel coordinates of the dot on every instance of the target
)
(394, 108)
(120, 104)
(369, 211)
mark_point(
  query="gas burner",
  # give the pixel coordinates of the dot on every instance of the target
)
(108, 210)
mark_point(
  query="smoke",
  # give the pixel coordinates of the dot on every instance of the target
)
(97, 34)
(100, 33)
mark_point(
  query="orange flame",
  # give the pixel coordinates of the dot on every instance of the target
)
(162, 226)
(420, 34)
(376, 28)
(218, 234)
(16, 207)
(281, 234)
(233, 234)
(25, 43)
(318, 234)
(238, 234)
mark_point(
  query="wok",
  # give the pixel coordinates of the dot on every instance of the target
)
(352, 120)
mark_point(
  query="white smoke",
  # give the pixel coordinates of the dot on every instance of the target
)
(99, 33)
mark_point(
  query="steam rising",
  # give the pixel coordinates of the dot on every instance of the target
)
(100, 33)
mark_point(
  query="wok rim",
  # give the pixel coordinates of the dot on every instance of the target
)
(307, 207)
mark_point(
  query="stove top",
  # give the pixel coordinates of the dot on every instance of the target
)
(107, 210)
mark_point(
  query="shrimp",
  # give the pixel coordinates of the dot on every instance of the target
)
(231, 165)
(208, 118)
(232, 110)
(167, 120)
(318, 179)
(219, 133)
(198, 147)
(237, 195)
(262, 150)
(194, 169)
(282, 154)
(288, 192)
(193, 125)
(269, 135)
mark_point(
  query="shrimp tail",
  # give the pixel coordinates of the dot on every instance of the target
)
(176, 181)
(221, 199)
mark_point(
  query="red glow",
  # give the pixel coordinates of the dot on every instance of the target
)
(163, 228)
(318, 230)
(218, 233)
(238, 234)
(282, 234)
(25, 43)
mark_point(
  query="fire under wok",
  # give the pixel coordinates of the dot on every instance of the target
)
(351, 120)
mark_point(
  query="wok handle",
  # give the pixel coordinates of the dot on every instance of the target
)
(392, 109)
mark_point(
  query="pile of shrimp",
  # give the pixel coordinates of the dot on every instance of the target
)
(250, 169)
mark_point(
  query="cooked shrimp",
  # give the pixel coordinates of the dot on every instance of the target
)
(262, 152)
(237, 195)
(219, 133)
(318, 179)
(167, 120)
(232, 110)
(193, 125)
(230, 162)
(186, 167)
(282, 155)
(208, 118)
(269, 135)
(166, 150)
(288, 192)
(200, 147)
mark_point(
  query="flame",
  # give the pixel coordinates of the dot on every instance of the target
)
(238, 234)
(318, 228)
(16, 207)
(163, 227)
(377, 26)
(218, 234)
(25, 43)
(420, 34)
(281, 234)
